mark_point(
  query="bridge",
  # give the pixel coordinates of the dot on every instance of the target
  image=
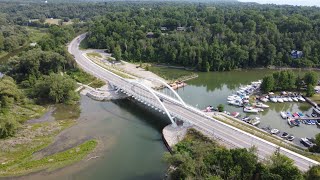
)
(175, 108)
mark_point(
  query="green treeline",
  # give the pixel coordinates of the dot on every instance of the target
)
(197, 157)
(39, 75)
(288, 81)
(11, 36)
(212, 37)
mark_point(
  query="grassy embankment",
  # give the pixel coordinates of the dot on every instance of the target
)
(172, 74)
(85, 78)
(267, 136)
(95, 58)
(17, 153)
(315, 98)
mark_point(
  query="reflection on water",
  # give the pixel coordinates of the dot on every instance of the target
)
(130, 144)
(213, 88)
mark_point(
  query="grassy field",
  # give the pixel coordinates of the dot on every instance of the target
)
(171, 74)
(36, 34)
(316, 98)
(81, 76)
(94, 54)
(97, 83)
(26, 111)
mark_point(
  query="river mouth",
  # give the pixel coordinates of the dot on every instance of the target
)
(130, 144)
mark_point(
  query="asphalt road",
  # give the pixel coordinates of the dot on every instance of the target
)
(210, 126)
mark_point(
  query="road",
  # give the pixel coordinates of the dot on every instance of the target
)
(206, 124)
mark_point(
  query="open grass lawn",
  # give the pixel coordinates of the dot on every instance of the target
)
(36, 34)
(316, 98)
(94, 54)
(170, 73)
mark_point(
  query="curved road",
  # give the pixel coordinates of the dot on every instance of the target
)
(206, 124)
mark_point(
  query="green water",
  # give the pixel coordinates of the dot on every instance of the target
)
(130, 143)
(213, 88)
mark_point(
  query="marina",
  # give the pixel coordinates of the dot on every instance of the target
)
(224, 85)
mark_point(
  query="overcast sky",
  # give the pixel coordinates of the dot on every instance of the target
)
(291, 2)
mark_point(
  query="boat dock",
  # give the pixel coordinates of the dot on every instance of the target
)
(307, 118)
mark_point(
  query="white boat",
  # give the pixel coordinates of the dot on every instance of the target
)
(236, 103)
(280, 100)
(290, 99)
(254, 122)
(285, 99)
(245, 100)
(233, 97)
(275, 131)
(274, 99)
(261, 105)
(290, 138)
(250, 110)
(295, 99)
(263, 99)
(283, 115)
(260, 109)
(301, 99)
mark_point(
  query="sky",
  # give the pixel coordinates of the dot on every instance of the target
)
(290, 2)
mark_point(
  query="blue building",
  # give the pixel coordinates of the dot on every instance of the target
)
(296, 54)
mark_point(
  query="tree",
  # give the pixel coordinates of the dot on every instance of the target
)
(8, 125)
(117, 53)
(9, 92)
(42, 19)
(310, 90)
(313, 173)
(1, 42)
(311, 78)
(267, 84)
(56, 88)
(298, 83)
(220, 107)
(284, 166)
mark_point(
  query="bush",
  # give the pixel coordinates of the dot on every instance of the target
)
(220, 107)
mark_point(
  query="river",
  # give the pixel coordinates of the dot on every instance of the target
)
(130, 143)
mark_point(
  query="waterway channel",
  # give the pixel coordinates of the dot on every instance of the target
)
(213, 88)
(130, 143)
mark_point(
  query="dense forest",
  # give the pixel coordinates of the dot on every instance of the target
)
(197, 157)
(213, 37)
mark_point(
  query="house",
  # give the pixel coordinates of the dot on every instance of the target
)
(163, 28)
(181, 28)
(150, 35)
(295, 54)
